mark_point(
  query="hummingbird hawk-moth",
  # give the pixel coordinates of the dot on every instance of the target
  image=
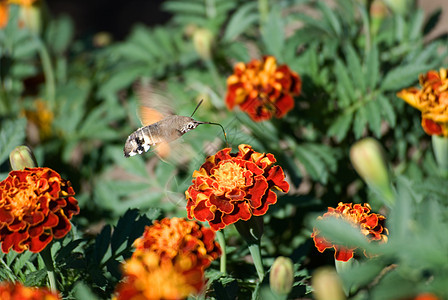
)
(160, 133)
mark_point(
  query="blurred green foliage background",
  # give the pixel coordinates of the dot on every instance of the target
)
(73, 101)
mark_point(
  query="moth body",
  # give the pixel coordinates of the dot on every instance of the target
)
(165, 130)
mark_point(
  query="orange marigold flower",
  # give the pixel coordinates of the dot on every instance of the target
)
(262, 89)
(234, 186)
(370, 224)
(148, 276)
(4, 14)
(16, 291)
(431, 100)
(170, 238)
(36, 205)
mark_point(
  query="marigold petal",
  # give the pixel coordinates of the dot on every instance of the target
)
(222, 204)
(39, 243)
(268, 199)
(5, 216)
(202, 212)
(62, 228)
(256, 193)
(276, 178)
(431, 127)
(343, 254)
(34, 218)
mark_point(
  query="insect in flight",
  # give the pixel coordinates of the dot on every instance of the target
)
(161, 132)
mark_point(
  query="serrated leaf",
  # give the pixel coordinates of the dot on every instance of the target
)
(372, 67)
(387, 110)
(340, 127)
(359, 122)
(344, 81)
(355, 69)
(36, 278)
(331, 18)
(244, 17)
(402, 77)
(12, 135)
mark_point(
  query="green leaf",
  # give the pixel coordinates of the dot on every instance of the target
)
(416, 25)
(330, 17)
(317, 159)
(101, 244)
(374, 117)
(345, 82)
(244, 17)
(59, 34)
(355, 69)
(273, 35)
(372, 67)
(12, 135)
(387, 109)
(360, 121)
(402, 77)
(341, 126)
(82, 292)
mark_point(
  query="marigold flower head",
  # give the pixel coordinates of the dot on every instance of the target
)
(370, 224)
(16, 291)
(431, 100)
(148, 276)
(262, 89)
(36, 205)
(170, 238)
(234, 186)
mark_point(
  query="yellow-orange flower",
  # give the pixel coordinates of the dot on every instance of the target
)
(169, 238)
(41, 117)
(234, 186)
(370, 224)
(431, 100)
(169, 261)
(262, 89)
(148, 276)
(4, 14)
(16, 291)
(36, 205)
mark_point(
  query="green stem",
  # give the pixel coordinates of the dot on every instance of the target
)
(341, 267)
(50, 82)
(255, 251)
(222, 243)
(48, 261)
(440, 148)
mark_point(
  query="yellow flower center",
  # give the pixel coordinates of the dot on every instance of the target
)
(229, 175)
(22, 202)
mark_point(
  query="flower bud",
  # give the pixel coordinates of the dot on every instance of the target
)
(378, 12)
(22, 157)
(203, 41)
(281, 277)
(327, 285)
(367, 159)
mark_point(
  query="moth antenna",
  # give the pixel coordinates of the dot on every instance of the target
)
(197, 106)
(223, 130)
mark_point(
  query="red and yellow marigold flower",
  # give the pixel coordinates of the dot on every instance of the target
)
(36, 205)
(16, 291)
(148, 276)
(370, 224)
(169, 261)
(431, 100)
(262, 89)
(234, 186)
(170, 238)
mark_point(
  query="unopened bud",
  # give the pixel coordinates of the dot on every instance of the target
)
(378, 11)
(327, 285)
(281, 277)
(203, 42)
(22, 157)
(367, 159)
